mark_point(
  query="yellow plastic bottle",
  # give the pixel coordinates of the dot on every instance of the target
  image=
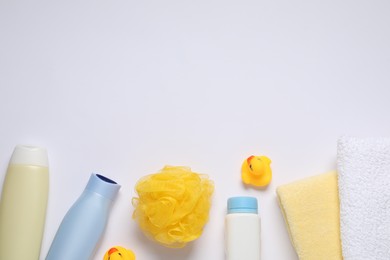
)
(23, 204)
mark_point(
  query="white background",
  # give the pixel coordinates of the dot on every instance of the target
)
(123, 88)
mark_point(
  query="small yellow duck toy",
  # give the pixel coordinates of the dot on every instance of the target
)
(119, 253)
(256, 171)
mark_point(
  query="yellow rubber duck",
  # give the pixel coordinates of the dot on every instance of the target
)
(256, 170)
(119, 253)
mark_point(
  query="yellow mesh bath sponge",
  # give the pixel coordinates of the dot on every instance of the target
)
(173, 205)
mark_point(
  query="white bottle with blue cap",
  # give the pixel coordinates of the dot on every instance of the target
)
(242, 229)
(84, 223)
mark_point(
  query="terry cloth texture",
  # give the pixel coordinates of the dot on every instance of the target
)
(364, 189)
(311, 210)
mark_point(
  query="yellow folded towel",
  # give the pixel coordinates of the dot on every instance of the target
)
(311, 210)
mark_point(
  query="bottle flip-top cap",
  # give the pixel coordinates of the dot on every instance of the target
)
(29, 155)
(103, 186)
(242, 205)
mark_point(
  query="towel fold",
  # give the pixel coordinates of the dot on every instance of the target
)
(364, 190)
(311, 210)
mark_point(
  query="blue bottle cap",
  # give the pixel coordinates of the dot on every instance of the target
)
(242, 205)
(103, 186)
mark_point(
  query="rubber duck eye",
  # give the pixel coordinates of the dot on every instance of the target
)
(250, 166)
(120, 254)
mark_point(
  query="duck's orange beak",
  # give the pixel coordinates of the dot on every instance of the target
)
(112, 250)
(249, 159)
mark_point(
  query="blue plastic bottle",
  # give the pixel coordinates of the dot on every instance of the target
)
(85, 221)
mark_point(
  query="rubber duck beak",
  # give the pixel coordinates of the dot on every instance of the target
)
(112, 250)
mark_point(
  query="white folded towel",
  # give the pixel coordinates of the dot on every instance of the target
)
(364, 190)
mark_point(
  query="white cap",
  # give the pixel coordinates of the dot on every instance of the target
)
(29, 155)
